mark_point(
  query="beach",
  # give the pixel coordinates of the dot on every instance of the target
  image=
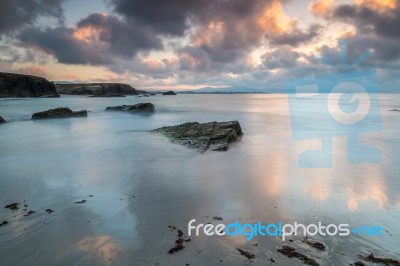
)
(117, 190)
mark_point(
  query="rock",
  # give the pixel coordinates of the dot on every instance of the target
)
(3, 223)
(314, 243)
(218, 218)
(381, 260)
(246, 253)
(359, 263)
(60, 112)
(136, 108)
(395, 110)
(80, 202)
(49, 211)
(179, 241)
(29, 213)
(17, 85)
(292, 253)
(169, 93)
(2, 120)
(214, 136)
(12, 206)
(97, 89)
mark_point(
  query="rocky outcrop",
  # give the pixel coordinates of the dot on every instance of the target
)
(169, 93)
(97, 89)
(60, 112)
(136, 108)
(214, 136)
(2, 120)
(17, 85)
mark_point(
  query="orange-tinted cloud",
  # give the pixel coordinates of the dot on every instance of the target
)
(274, 19)
(378, 4)
(33, 70)
(70, 76)
(91, 34)
(321, 7)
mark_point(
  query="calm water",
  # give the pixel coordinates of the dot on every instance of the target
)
(140, 183)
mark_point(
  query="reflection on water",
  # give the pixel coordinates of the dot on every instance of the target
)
(103, 248)
(136, 184)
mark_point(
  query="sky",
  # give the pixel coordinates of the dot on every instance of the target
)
(189, 44)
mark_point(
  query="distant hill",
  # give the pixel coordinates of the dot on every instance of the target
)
(62, 82)
(227, 90)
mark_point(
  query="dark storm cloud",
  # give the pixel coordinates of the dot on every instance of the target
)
(123, 37)
(202, 59)
(295, 37)
(382, 23)
(60, 43)
(241, 30)
(111, 37)
(377, 29)
(15, 14)
(172, 16)
(168, 17)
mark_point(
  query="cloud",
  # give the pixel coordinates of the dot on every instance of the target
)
(95, 40)
(122, 37)
(61, 43)
(281, 58)
(15, 14)
(376, 28)
(163, 16)
(296, 37)
(33, 70)
(367, 18)
(321, 7)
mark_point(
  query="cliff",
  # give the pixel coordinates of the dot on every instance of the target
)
(17, 85)
(96, 89)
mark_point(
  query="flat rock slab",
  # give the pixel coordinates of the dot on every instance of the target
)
(136, 108)
(60, 112)
(214, 136)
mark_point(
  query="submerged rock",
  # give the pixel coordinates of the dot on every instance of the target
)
(3, 223)
(246, 253)
(12, 206)
(214, 136)
(29, 213)
(169, 93)
(2, 120)
(381, 260)
(60, 112)
(136, 108)
(292, 253)
(314, 243)
(181, 238)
